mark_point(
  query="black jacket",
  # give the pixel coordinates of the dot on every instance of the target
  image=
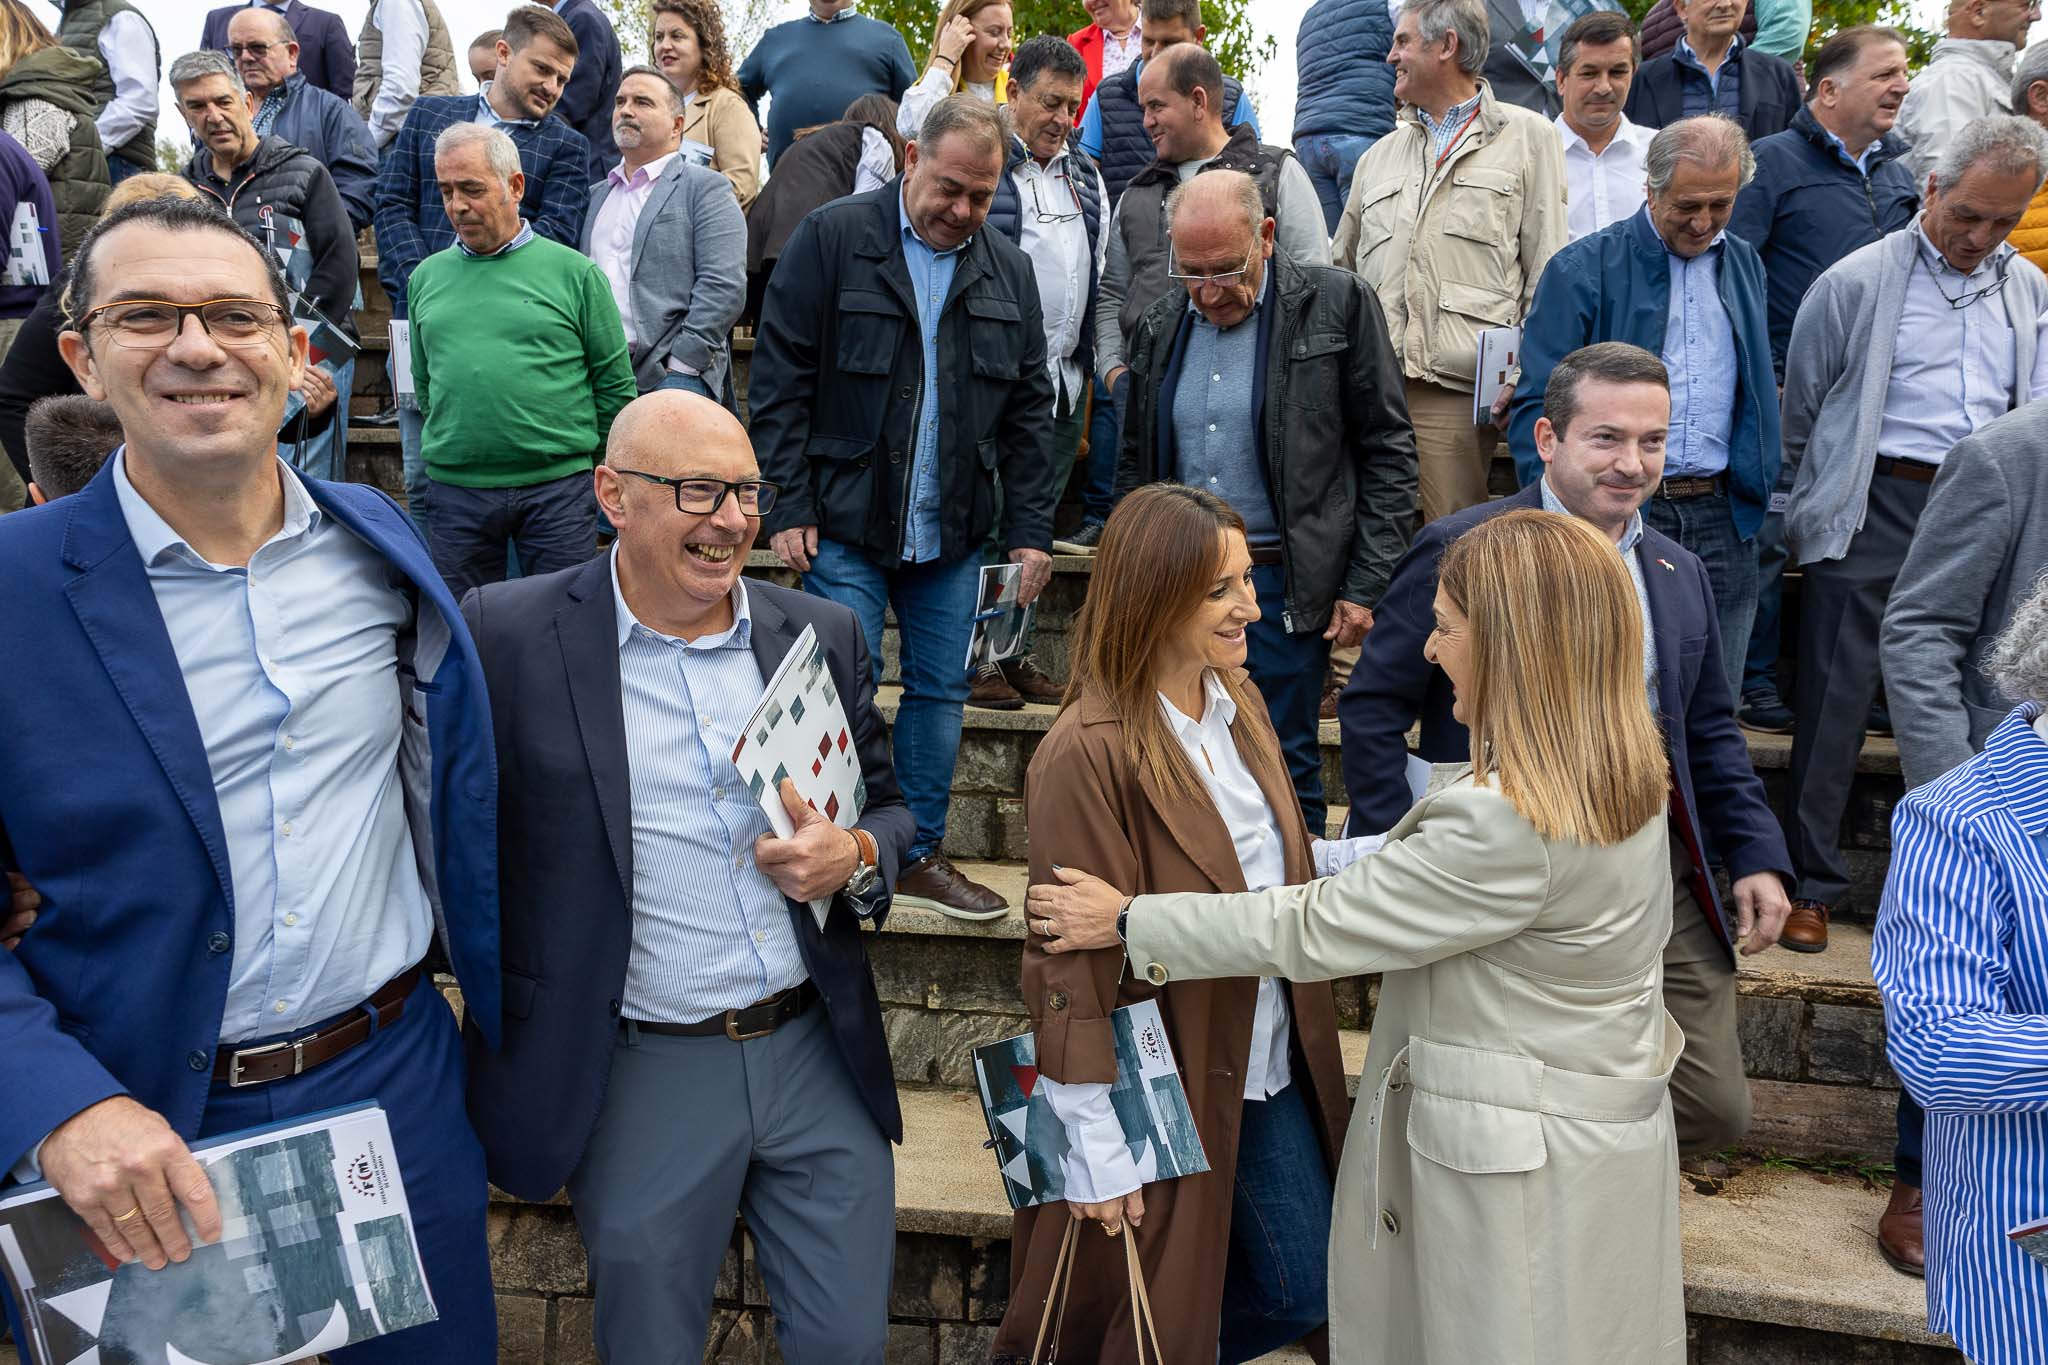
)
(550, 651)
(838, 376)
(285, 181)
(1332, 417)
(33, 369)
(1768, 99)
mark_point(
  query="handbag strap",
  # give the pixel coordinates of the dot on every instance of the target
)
(1056, 1296)
(1142, 1325)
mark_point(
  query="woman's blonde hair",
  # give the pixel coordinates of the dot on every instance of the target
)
(1556, 703)
(149, 185)
(958, 9)
(1160, 554)
(21, 33)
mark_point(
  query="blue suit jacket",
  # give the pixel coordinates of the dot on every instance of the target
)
(327, 57)
(550, 648)
(1393, 686)
(586, 103)
(1615, 285)
(107, 805)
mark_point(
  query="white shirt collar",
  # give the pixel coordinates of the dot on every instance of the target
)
(1217, 710)
(155, 538)
(740, 631)
(1624, 133)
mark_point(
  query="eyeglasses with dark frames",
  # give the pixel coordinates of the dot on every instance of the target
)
(257, 50)
(152, 324)
(700, 497)
(1958, 302)
(1038, 203)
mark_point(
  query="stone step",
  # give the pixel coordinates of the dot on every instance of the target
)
(1812, 1025)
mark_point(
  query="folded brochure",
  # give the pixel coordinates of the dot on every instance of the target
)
(316, 1252)
(799, 732)
(1029, 1140)
(1000, 622)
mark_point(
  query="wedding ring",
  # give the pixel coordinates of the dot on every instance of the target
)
(1109, 1230)
(124, 1217)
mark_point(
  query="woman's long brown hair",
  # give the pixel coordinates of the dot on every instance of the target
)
(1161, 551)
(714, 58)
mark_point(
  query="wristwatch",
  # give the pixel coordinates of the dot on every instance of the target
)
(867, 871)
(1123, 920)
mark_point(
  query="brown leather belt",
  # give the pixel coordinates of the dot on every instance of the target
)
(267, 1062)
(1918, 471)
(757, 1020)
(1692, 486)
(1265, 554)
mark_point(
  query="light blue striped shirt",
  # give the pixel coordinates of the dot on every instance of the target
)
(931, 276)
(1961, 954)
(1444, 136)
(1699, 351)
(710, 931)
(488, 116)
(291, 665)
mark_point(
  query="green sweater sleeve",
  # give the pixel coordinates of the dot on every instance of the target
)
(604, 352)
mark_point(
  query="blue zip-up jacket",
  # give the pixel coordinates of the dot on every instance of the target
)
(1616, 286)
(1340, 61)
(1809, 206)
(329, 127)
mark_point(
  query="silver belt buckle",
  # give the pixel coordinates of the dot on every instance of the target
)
(235, 1081)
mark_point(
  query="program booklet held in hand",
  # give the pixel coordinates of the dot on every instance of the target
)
(799, 732)
(316, 1252)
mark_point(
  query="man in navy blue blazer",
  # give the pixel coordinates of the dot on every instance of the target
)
(684, 1037)
(1607, 410)
(587, 100)
(250, 772)
(326, 56)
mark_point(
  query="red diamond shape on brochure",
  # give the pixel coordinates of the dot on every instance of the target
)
(824, 745)
(842, 741)
(1027, 1079)
(816, 767)
(832, 806)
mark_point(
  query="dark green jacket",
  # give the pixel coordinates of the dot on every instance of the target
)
(80, 31)
(78, 182)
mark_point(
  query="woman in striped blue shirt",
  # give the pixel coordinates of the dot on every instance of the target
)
(1961, 954)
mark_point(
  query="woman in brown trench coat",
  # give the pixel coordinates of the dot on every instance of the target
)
(1235, 1256)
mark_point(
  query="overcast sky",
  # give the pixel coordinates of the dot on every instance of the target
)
(178, 22)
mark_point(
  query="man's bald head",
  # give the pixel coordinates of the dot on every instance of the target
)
(1217, 198)
(260, 23)
(680, 434)
(264, 48)
(1221, 238)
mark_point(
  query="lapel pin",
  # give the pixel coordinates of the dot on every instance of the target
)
(1668, 566)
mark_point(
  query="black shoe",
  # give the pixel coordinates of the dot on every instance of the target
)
(1082, 542)
(1879, 721)
(1763, 712)
(382, 417)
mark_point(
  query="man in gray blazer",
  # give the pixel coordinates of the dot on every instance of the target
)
(1981, 545)
(671, 239)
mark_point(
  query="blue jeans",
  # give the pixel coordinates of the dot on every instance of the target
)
(688, 383)
(1760, 670)
(1105, 435)
(1706, 526)
(552, 525)
(325, 455)
(1276, 1280)
(119, 168)
(1329, 159)
(1289, 671)
(934, 605)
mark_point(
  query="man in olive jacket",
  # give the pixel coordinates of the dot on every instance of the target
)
(1273, 385)
(898, 377)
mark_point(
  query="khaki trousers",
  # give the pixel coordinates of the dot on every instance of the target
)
(1709, 1089)
(1452, 456)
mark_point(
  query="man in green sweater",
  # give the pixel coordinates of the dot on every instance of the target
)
(519, 365)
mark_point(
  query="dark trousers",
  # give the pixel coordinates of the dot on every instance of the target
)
(1105, 434)
(1706, 526)
(551, 525)
(1841, 609)
(1289, 671)
(1912, 1132)
(1760, 670)
(1276, 1281)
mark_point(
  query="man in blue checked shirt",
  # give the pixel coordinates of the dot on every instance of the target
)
(1959, 954)
(685, 1038)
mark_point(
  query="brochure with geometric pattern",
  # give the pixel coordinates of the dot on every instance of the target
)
(316, 1252)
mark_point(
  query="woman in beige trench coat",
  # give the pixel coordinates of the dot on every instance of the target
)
(1510, 1193)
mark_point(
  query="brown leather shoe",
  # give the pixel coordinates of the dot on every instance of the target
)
(1898, 1231)
(934, 883)
(1327, 710)
(1806, 928)
(1031, 681)
(993, 691)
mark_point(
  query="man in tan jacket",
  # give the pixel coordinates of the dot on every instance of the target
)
(1451, 219)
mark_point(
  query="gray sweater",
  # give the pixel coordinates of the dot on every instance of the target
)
(1980, 546)
(1837, 371)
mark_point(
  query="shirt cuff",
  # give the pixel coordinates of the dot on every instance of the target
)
(29, 1169)
(1098, 1166)
(1334, 855)
(678, 367)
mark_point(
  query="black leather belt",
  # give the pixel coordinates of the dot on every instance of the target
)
(755, 1021)
(1918, 471)
(1692, 486)
(266, 1062)
(1265, 554)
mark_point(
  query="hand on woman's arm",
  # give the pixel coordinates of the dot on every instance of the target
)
(1075, 911)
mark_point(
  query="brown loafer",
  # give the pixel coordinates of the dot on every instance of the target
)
(1898, 1231)
(993, 691)
(1806, 928)
(934, 883)
(1031, 682)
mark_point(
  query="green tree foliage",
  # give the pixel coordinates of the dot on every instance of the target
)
(1238, 44)
(1832, 16)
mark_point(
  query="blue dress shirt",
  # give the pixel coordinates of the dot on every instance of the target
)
(1629, 547)
(1961, 958)
(1699, 351)
(931, 276)
(488, 116)
(291, 666)
(710, 931)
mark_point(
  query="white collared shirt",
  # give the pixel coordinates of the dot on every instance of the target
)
(611, 235)
(1606, 186)
(1060, 259)
(403, 24)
